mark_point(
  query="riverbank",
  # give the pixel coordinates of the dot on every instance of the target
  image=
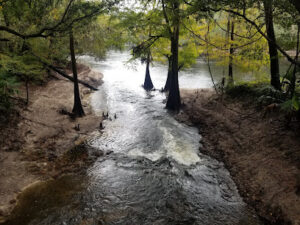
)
(41, 141)
(262, 155)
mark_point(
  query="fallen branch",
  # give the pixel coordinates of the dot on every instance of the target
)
(62, 73)
(69, 77)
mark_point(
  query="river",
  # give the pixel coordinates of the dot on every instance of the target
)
(152, 172)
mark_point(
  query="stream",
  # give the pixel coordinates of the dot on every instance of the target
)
(152, 172)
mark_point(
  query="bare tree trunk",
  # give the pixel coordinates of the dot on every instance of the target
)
(208, 60)
(148, 85)
(231, 51)
(174, 101)
(274, 61)
(293, 81)
(77, 108)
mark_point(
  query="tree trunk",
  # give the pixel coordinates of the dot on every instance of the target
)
(77, 108)
(174, 101)
(274, 62)
(231, 51)
(293, 80)
(148, 85)
(168, 82)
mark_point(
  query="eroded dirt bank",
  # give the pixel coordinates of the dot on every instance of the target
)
(262, 155)
(40, 141)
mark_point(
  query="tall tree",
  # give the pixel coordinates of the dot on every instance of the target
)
(231, 50)
(274, 60)
(174, 100)
(160, 20)
(77, 108)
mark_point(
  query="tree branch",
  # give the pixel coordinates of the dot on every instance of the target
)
(238, 35)
(166, 17)
(289, 58)
(55, 27)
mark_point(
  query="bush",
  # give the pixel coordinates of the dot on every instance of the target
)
(247, 90)
(8, 87)
(240, 90)
(291, 104)
(263, 93)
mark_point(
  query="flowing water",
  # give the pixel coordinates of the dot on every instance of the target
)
(152, 172)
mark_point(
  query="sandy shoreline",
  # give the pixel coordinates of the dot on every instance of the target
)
(261, 154)
(36, 145)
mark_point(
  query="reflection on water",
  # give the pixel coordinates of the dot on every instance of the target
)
(152, 172)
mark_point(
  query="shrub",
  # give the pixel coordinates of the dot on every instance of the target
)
(262, 93)
(8, 87)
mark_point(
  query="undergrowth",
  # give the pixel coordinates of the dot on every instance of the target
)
(264, 95)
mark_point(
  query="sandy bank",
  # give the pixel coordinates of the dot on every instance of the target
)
(36, 144)
(262, 155)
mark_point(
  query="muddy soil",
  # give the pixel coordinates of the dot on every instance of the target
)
(261, 153)
(41, 141)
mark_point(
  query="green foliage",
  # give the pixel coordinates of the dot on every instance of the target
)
(262, 93)
(291, 105)
(24, 67)
(287, 38)
(46, 24)
(8, 87)
(250, 49)
(270, 91)
(51, 17)
(188, 53)
(102, 34)
(13, 70)
(242, 90)
(149, 31)
(41, 28)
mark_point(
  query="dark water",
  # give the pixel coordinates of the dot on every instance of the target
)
(152, 173)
